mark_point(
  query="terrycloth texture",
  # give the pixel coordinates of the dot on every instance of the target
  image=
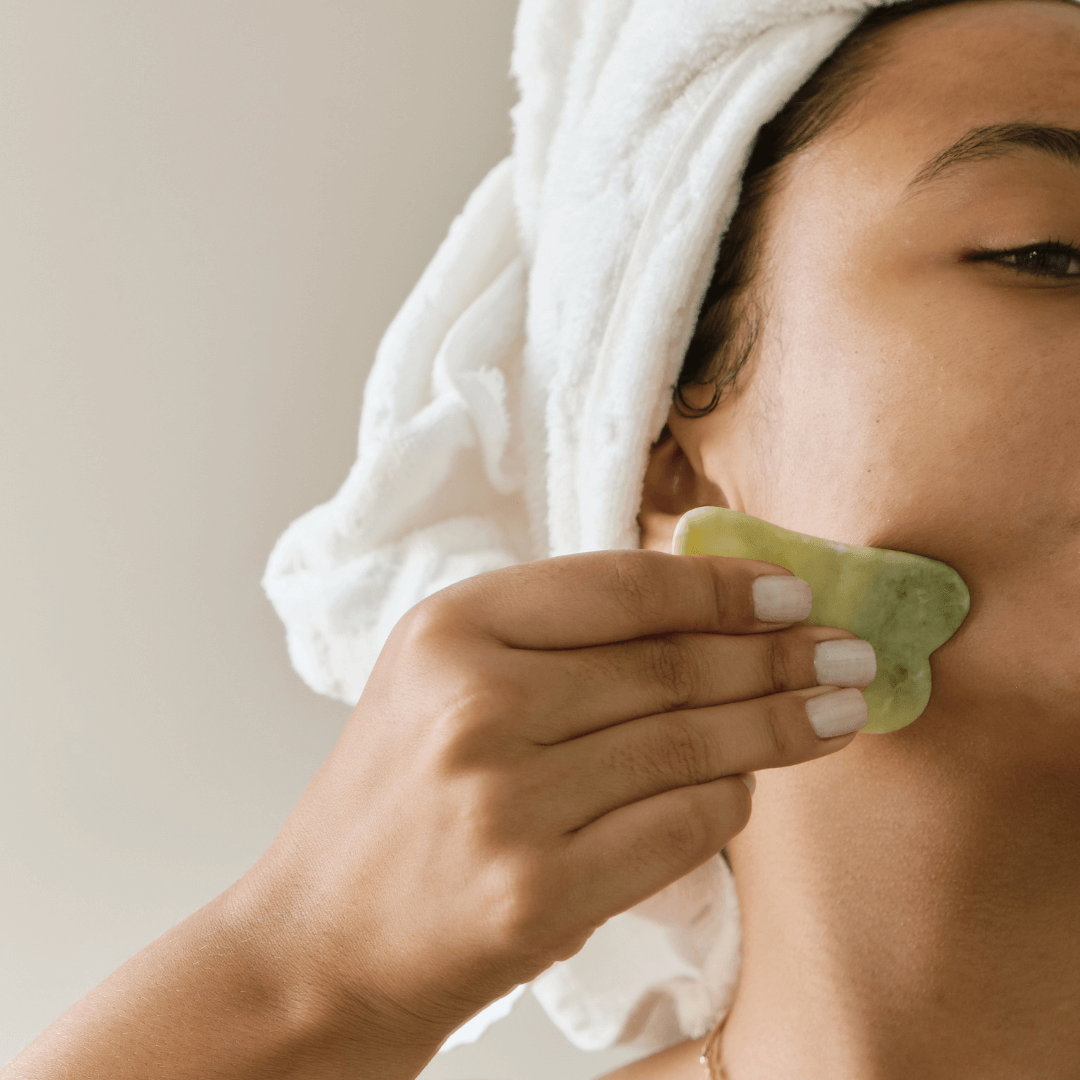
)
(514, 398)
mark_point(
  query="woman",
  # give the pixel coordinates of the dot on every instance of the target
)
(546, 745)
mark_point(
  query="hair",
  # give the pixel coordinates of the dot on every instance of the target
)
(729, 322)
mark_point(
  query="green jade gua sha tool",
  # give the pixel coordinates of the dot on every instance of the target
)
(904, 605)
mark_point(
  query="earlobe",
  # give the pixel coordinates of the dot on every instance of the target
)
(672, 486)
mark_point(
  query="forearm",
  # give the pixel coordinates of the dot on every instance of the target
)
(219, 997)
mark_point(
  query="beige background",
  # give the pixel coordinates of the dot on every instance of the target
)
(209, 210)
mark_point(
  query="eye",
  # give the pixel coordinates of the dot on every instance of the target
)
(1052, 259)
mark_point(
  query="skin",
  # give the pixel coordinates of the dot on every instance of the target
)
(544, 746)
(910, 905)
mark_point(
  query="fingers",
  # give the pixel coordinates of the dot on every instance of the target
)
(584, 690)
(608, 596)
(641, 759)
(635, 851)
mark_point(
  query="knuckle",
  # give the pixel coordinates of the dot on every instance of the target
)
(779, 660)
(670, 752)
(462, 688)
(776, 727)
(478, 707)
(427, 624)
(475, 806)
(684, 751)
(688, 837)
(785, 730)
(523, 897)
(465, 709)
(674, 665)
(638, 587)
(722, 600)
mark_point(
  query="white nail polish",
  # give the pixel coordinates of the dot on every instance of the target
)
(838, 713)
(778, 598)
(750, 780)
(845, 662)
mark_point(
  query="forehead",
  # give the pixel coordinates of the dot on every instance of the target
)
(977, 64)
(942, 75)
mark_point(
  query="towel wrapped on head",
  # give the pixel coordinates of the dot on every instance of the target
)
(513, 400)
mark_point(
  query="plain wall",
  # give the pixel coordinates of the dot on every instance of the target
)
(209, 211)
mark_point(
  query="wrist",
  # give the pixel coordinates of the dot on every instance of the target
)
(226, 993)
(329, 1005)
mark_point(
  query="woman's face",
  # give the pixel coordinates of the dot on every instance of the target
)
(913, 390)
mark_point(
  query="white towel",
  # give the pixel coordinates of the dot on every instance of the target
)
(513, 400)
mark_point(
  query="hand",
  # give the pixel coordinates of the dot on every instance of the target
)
(538, 749)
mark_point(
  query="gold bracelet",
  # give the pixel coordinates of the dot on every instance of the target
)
(711, 1054)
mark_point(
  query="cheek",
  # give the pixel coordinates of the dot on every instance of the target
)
(939, 423)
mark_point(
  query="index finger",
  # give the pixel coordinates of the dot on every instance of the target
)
(608, 596)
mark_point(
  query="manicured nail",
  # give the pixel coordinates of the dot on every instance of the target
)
(845, 662)
(750, 780)
(778, 598)
(838, 713)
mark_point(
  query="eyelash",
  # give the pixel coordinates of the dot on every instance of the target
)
(1036, 260)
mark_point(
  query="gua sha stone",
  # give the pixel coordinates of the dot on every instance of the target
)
(904, 605)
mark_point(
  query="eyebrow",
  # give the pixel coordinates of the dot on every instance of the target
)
(983, 143)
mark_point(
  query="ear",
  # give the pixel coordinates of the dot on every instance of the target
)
(673, 485)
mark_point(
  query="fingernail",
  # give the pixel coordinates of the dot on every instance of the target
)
(845, 662)
(750, 780)
(779, 598)
(838, 713)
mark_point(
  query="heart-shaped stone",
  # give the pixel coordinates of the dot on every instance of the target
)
(905, 605)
